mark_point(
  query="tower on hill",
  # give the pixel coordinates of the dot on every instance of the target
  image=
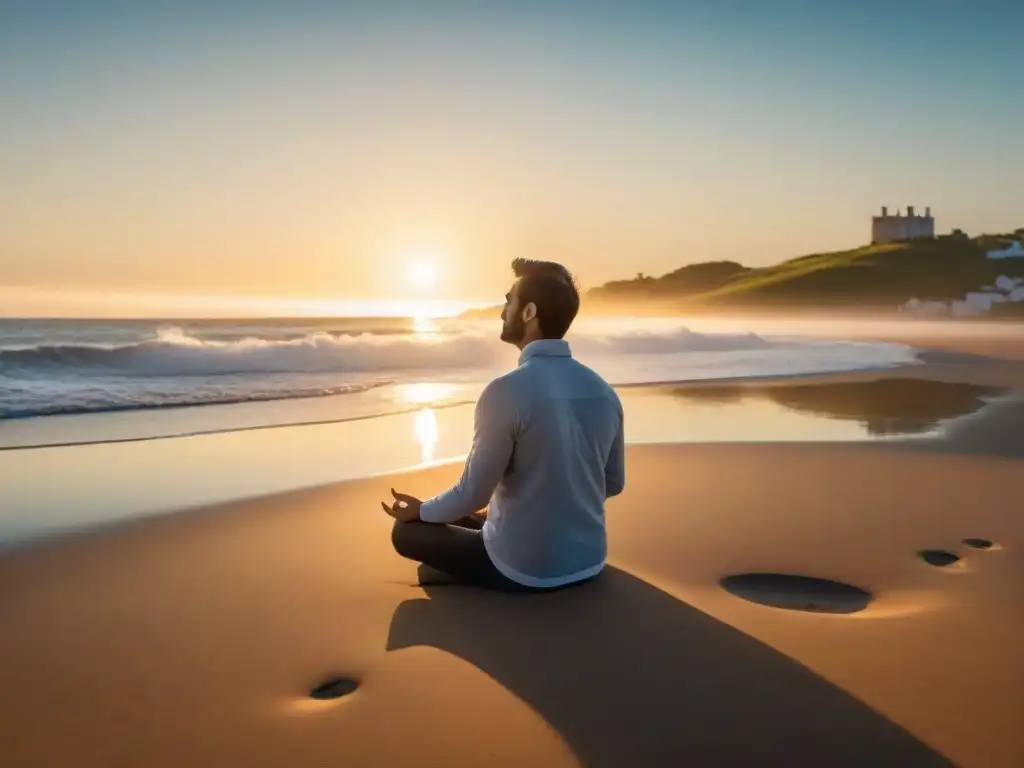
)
(888, 229)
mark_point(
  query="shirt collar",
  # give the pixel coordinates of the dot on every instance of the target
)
(545, 348)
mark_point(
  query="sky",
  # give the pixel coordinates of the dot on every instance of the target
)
(158, 157)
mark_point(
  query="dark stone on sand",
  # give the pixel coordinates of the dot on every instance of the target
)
(938, 557)
(334, 688)
(978, 543)
(797, 593)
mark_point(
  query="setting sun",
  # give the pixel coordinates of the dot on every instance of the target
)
(422, 274)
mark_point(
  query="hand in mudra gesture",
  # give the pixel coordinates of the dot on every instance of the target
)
(405, 508)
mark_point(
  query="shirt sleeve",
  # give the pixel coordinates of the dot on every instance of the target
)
(615, 467)
(494, 428)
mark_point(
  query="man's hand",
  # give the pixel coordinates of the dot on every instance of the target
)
(405, 508)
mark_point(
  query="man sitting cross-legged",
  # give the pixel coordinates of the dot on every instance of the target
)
(548, 449)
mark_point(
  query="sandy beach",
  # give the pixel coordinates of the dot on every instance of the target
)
(195, 638)
(266, 266)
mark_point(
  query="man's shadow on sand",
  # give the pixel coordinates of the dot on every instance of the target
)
(631, 676)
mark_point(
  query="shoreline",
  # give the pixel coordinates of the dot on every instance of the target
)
(964, 423)
(930, 345)
(866, 371)
(929, 365)
(228, 430)
(189, 471)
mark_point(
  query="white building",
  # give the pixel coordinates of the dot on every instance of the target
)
(1007, 284)
(974, 304)
(925, 308)
(1014, 251)
(888, 229)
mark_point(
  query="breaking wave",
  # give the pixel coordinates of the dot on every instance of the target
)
(175, 353)
(179, 366)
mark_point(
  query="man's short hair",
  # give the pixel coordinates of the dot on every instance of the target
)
(552, 289)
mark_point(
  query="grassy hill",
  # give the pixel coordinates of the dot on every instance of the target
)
(872, 276)
(686, 281)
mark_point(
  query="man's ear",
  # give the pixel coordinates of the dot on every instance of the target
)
(529, 312)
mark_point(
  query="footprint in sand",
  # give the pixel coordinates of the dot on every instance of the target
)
(979, 543)
(797, 593)
(808, 593)
(334, 688)
(940, 558)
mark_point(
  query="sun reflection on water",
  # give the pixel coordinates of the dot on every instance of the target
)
(425, 429)
(425, 392)
(423, 328)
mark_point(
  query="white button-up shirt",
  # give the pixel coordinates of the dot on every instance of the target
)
(548, 449)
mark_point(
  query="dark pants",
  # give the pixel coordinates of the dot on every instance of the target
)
(457, 550)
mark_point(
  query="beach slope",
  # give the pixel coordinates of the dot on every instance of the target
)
(195, 639)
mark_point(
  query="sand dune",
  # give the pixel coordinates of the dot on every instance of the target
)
(195, 639)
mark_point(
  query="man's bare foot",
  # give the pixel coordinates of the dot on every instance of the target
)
(429, 576)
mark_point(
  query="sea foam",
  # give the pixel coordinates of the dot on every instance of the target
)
(177, 365)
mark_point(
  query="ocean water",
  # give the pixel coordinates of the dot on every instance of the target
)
(275, 405)
(364, 367)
